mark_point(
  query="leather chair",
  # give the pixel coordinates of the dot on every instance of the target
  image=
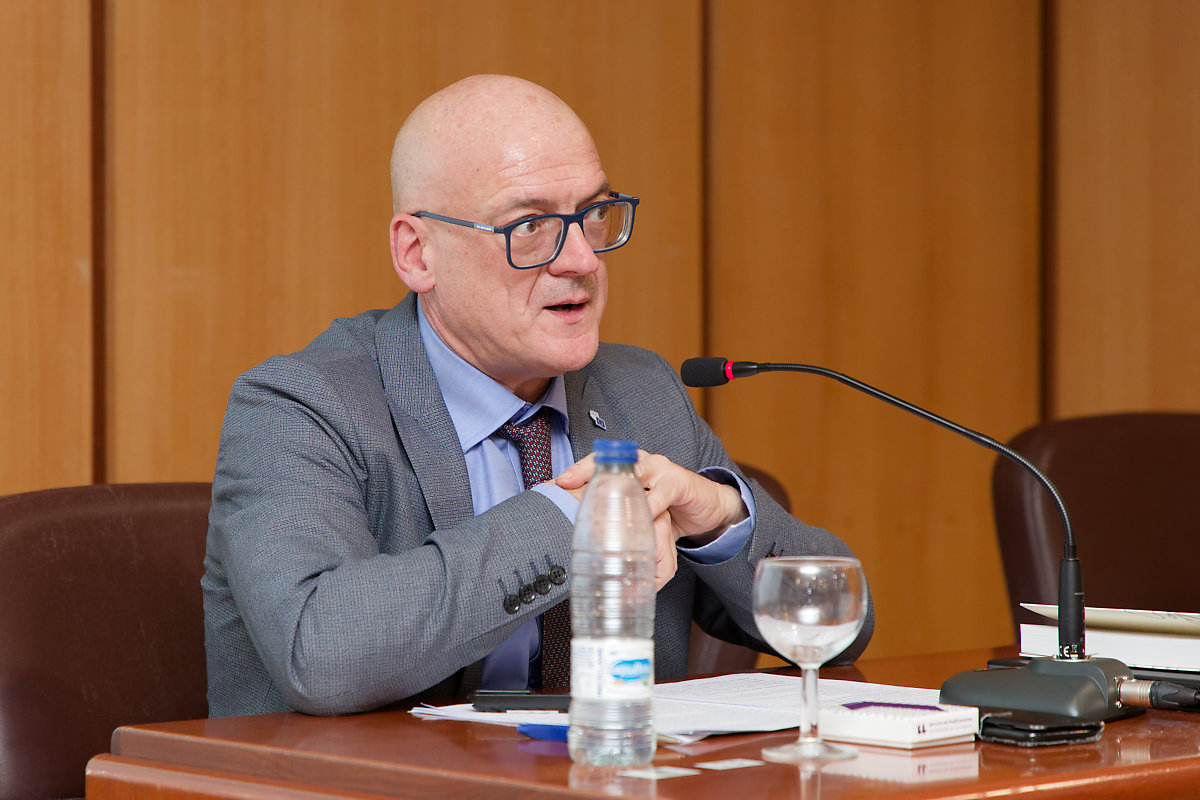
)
(1131, 484)
(707, 654)
(101, 624)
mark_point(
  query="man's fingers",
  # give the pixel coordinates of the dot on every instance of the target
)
(697, 505)
(578, 474)
(666, 557)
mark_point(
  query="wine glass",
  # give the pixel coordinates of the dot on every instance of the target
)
(809, 608)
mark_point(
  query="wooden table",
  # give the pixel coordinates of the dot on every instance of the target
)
(393, 754)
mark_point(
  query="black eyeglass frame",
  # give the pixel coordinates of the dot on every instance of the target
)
(567, 219)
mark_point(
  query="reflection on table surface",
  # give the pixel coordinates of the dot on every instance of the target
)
(393, 753)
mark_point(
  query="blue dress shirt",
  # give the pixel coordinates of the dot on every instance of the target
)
(478, 406)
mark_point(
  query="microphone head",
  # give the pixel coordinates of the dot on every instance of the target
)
(706, 371)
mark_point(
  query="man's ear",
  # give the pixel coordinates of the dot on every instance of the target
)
(408, 254)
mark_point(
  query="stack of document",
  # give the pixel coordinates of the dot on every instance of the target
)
(688, 711)
(1148, 639)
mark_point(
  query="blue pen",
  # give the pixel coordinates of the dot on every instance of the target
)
(546, 733)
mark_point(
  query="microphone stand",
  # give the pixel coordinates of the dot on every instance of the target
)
(1071, 684)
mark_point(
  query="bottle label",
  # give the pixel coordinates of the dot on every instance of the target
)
(612, 669)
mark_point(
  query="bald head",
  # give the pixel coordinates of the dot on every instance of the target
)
(477, 128)
(498, 150)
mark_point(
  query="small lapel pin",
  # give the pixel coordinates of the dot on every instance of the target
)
(597, 421)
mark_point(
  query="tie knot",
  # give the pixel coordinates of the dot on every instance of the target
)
(533, 446)
(531, 430)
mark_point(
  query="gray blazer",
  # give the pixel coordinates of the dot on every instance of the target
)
(345, 568)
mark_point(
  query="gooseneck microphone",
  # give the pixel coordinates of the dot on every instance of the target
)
(703, 372)
(1072, 684)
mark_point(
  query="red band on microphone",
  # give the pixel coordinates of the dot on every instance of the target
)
(729, 370)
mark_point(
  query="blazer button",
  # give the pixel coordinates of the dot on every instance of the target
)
(512, 603)
(558, 575)
(542, 584)
(528, 594)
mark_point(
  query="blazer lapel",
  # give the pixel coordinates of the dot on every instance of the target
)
(422, 422)
(587, 410)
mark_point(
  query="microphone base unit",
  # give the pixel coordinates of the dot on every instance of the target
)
(1082, 688)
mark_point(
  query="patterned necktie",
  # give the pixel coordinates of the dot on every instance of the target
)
(533, 445)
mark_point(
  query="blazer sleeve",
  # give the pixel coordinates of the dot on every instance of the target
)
(327, 582)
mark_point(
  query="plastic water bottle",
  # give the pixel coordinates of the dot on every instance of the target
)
(612, 616)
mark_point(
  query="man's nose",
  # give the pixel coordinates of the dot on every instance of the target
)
(576, 256)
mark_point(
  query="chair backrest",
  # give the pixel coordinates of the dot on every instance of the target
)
(101, 624)
(1131, 484)
(707, 654)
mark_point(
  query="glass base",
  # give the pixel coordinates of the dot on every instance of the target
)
(801, 752)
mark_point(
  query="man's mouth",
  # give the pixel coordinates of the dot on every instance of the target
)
(566, 307)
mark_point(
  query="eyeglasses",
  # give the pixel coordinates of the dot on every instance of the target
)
(536, 241)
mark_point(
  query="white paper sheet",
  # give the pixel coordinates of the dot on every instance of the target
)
(738, 703)
(1129, 619)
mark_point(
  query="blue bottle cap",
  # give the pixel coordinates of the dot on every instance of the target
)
(615, 451)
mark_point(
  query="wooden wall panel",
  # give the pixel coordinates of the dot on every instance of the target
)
(871, 170)
(247, 185)
(46, 268)
(1127, 183)
(874, 175)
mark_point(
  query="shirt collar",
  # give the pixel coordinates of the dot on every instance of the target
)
(478, 405)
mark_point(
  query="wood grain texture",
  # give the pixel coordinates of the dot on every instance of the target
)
(1126, 259)
(862, 193)
(874, 210)
(394, 754)
(249, 197)
(46, 268)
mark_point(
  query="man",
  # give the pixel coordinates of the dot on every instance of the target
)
(371, 536)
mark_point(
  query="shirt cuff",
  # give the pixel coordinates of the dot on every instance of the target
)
(565, 501)
(729, 543)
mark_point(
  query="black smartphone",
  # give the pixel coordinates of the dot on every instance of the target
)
(1033, 729)
(518, 700)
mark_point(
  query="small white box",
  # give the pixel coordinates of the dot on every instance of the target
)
(899, 724)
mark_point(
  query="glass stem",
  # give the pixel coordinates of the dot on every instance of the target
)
(810, 712)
